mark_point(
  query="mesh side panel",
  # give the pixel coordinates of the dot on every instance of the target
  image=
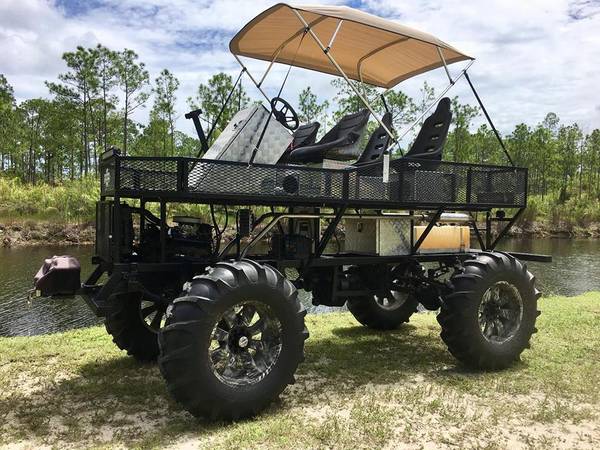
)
(498, 186)
(428, 186)
(367, 184)
(411, 182)
(470, 184)
(283, 181)
(149, 175)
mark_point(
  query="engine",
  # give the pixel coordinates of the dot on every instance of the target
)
(190, 237)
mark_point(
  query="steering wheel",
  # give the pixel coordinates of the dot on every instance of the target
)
(284, 113)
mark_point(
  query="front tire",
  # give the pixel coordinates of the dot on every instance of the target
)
(233, 342)
(488, 319)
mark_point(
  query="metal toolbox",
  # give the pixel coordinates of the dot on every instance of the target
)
(382, 236)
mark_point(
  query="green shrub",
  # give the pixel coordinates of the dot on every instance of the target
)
(70, 201)
(573, 212)
(532, 212)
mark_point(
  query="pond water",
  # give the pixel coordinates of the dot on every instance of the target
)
(575, 270)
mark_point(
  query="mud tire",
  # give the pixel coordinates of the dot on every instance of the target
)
(185, 361)
(460, 313)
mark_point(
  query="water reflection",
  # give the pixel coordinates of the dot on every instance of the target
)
(18, 316)
(575, 266)
(574, 270)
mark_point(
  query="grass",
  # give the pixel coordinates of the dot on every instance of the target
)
(74, 202)
(357, 389)
(71, 201)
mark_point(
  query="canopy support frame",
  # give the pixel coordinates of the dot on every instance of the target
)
(386, 156)
(214, 125)
(262, 135)
(251, 77)
(333, 36)
(327, 53)
(374, 52)
(438, 98)
(269, 68)
(284, 44)
(439, 50)
(487, 116)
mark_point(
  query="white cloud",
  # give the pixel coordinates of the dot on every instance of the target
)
(532, 57)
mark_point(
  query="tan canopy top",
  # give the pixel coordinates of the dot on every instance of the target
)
(367, 48)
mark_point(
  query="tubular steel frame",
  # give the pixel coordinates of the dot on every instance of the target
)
(123, 275)
(113, 160)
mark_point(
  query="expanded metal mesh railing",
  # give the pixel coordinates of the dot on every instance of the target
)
(412, 183)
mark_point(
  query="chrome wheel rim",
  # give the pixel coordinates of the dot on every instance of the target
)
(392, 301)
(500, 312)
(245, 344)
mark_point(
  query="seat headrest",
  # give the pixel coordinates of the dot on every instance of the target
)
(443, 105)
(430, 141)
(387, 119)
(305, 131)
(354, 120)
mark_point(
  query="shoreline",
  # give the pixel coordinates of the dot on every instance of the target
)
(33, 233)
(549, 230)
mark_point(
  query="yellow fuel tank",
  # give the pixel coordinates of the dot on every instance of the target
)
(445, 238)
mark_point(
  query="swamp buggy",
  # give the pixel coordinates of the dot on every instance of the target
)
(223, 319)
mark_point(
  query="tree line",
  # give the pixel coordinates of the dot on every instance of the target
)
(91, 106)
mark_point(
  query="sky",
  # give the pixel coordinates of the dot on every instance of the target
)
(532, 57)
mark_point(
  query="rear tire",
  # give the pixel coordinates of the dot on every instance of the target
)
(386, 313)
(381, 311)
(488, 319)
(129, 330)
(233, 342)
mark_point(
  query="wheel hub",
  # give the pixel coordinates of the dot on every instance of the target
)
(245, 344)
(152, 313)
(239, 338)
(393, 300)
(500, 312)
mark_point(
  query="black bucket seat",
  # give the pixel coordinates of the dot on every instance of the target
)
(430, 141)
(344, 134)
(303, 136)
(378, 143)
